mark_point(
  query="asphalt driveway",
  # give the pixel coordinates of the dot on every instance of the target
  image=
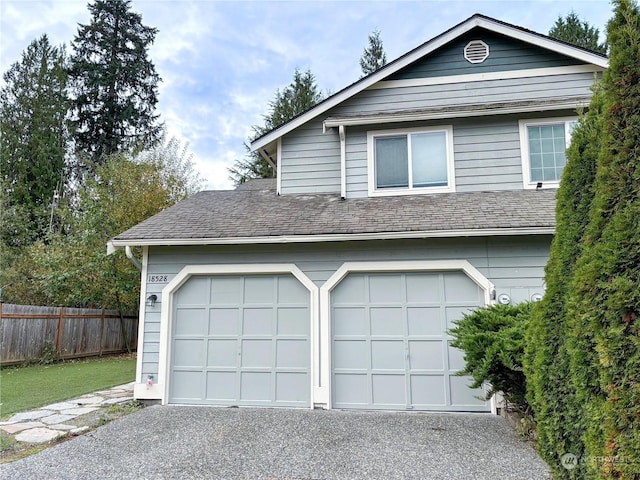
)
(268, 444)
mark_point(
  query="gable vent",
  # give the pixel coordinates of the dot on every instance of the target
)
(476, 51)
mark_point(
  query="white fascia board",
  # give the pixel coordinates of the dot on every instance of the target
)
(420, 52)
(485, 232)
(544, 42)
(440, 115)
(111, 248)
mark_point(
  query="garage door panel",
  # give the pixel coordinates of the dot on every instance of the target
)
(461, 394)
(259, 290)
(226, 290)
(396, 340)
(426, 355)
(291, 291)
(387, 355)
(222, 353)
(352, 290)
(350, 321)
(224, 321)
(456, 358)
(188, 353)
(385, 289)
(293, 321)
(190, 321)
(428, 391)
(351, 354)
(292, 387)
(387, 321)
(257, 321)
(389, 390)
(257, 353)
(291, 354)
(196, 294)
(222, 386)
(187, 385)
(424, 288)
(256, 386)
(351, 389)
(425, 320)
(459, 288)
(248, 346)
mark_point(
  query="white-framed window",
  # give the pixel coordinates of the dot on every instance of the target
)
(410, 161)
(543, 146)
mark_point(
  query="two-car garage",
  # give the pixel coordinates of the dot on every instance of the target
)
(372, 339)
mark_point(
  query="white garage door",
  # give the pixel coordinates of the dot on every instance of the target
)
(241, 340)
(390, 349)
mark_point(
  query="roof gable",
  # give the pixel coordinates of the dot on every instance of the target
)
(415, 55)
(505, 53)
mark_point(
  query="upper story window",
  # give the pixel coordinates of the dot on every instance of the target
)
(410, 161)
(543, 146)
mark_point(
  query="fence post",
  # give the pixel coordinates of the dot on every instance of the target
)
(101, 330)
(59, 332)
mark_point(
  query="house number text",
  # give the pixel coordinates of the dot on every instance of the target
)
(157, 278)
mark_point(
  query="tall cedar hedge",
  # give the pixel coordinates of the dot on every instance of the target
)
(583, 354)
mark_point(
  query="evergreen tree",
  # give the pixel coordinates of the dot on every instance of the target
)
(604, 306)
(373, 58)
(551, 392)
(298, 97)
(115, 83)
(572, 30)
(33, 143)
(583, 353)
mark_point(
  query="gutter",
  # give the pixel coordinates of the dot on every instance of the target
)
(114, 244)
(112, 248)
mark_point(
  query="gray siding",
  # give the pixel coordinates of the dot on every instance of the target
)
(487, 149)
(465, 93)
(514, 264)
(486, 155)
(310, 160)
(504, 54)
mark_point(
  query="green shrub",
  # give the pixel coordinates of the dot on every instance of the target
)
(49, 354)
(492, 339)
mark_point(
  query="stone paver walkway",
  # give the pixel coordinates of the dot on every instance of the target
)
(49, 422)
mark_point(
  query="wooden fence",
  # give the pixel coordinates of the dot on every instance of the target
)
(74, 332)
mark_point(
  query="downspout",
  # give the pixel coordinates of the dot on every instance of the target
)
(132, 259)
(343, 162)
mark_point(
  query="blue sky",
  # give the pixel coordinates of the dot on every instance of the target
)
(222, 62)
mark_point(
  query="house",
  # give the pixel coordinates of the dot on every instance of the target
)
(410, 197)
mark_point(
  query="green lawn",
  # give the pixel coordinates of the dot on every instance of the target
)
(24, 388)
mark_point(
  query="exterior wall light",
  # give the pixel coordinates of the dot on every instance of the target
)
(151, 300)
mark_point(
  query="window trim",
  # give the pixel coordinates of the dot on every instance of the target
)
(371, 163)
(524, 146)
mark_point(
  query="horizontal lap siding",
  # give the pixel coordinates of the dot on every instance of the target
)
(487, 155)
(479, 92)
(486, 152)
(310, 160)
(514, 265)
(487, 149)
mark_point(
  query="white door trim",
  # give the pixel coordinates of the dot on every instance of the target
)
(234, 269)
(375, 267)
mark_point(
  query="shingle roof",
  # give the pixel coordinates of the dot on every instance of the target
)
(258, 214)
(258, 184)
